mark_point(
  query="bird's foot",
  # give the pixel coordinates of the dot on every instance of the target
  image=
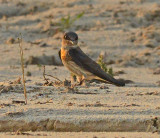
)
(84, 82)
(75, 84)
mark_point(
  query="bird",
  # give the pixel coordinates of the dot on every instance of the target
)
(81, 65)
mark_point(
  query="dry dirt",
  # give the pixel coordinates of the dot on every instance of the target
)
(81, 135)
(125, 32)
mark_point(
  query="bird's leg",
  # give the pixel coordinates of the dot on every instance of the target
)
(73, 79)
(79, 79)
(84, 81)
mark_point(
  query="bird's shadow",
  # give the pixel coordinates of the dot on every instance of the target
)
(141, 85)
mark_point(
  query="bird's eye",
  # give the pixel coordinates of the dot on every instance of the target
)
(66, 37)
(76, 38)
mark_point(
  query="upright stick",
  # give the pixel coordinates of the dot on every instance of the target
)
(22, 66)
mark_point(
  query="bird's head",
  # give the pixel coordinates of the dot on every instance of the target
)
(69, 39)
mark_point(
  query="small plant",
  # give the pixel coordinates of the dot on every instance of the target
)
(66, 22)
(28, 73)
(39, 66)
(104, 66)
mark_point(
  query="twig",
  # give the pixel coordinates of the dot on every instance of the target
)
(48, 75)
(44, 70)
(22, 66)
(53, 77)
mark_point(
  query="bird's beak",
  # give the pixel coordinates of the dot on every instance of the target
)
(74, 42)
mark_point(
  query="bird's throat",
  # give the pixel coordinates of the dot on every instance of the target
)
(66, 47)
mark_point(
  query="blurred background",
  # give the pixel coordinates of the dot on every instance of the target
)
(123, 36)
(125, 32)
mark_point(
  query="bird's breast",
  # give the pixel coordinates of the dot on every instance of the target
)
(64, 55)
(72, 66)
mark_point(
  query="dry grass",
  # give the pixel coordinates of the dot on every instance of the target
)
(22, 66)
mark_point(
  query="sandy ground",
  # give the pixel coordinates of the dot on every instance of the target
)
(125, 32)
(82, 135)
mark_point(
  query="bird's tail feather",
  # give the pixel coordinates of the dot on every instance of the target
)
(109, 79)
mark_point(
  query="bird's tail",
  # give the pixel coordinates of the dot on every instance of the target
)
(109, 79)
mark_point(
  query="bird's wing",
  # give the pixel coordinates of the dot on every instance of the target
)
(60, 54)
(83, 61)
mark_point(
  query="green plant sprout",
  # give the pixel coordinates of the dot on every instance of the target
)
(104, 66)
(66, 22)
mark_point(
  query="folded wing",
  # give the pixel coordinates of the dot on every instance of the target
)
(82, 60)
(59, 53)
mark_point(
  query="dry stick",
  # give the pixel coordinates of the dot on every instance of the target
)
(49, 75)
(44, 70)
(53, 77)
(22, 66)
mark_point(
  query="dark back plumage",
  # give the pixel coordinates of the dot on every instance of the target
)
(83, 61)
